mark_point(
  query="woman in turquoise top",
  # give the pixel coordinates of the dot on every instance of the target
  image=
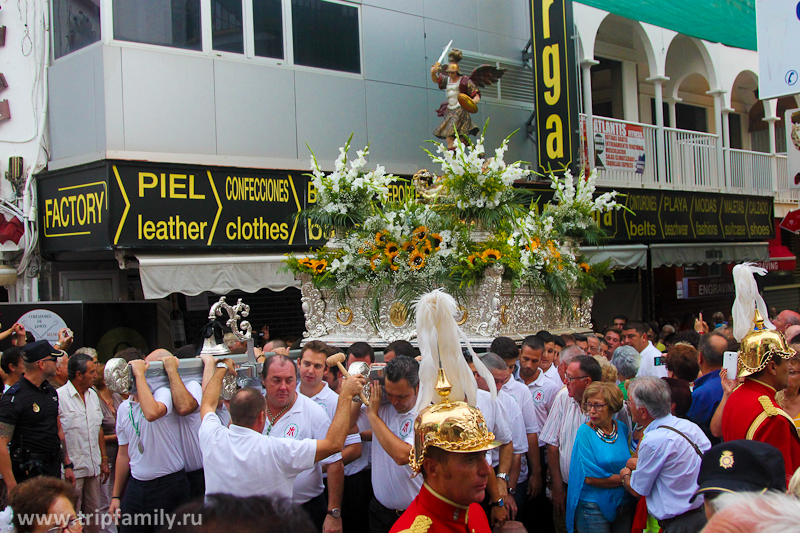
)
(596, 501)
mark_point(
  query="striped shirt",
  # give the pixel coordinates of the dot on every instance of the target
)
(561, 428)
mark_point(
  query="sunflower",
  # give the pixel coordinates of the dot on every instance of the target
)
(436, 239)
(584, 266)
(420, 233)
(306, 262)
(375, 261)
(408, 247)
(535, 243)
(424, 246)
(416, 261)
(380, 238)
(393, 260)
(392, 248)
(471, 259)
(553, 250)
(490, 255)
(320, 266)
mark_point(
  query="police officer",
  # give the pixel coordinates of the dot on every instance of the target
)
(29, 428)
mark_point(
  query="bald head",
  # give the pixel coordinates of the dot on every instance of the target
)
(785, 319)
(791, 332)
(157, 355)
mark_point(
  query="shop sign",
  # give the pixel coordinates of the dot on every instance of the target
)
(706, 287)
(555, 86)
(617, 145)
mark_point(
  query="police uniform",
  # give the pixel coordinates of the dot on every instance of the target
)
(433, 513)
(35, 446)
(752, 413)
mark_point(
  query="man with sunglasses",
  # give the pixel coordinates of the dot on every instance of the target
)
(30, 443)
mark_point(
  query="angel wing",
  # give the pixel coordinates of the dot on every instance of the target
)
(486, 75)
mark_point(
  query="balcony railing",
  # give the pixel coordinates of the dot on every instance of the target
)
(628, 157)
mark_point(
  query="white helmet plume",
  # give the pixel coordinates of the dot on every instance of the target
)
(747, 300)
(438, 338)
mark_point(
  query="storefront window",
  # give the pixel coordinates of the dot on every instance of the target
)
(226, 22)
(174, 23)
(76, 23)
(325, 35)
(268, 28)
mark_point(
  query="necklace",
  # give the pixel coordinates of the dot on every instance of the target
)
(273, 419)
(611, 437)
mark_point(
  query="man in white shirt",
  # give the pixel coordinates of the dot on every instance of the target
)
(81, 418)
(669, 458)
(543, 390)
(392, 424)
(652, 362)
(548, 362)
(150, 454)
(562, 426)
(294, 416)
(240, 460)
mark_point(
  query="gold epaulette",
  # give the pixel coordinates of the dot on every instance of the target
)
(769, 411)
(421, 524)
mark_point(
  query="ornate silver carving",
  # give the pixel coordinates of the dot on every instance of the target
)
(362, 368)
(313, 305)
(118, 376)
(229, 387)
(235, 313)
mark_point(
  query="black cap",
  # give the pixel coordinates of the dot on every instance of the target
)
(36, 351)
(741, 466)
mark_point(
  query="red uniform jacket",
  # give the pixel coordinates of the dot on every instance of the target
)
(431, 513)
(752, 413)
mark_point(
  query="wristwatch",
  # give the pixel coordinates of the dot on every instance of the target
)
(335, 512)
(70, 465)
(503, 476)
(220, 364)
(498, 503)
(512, 491)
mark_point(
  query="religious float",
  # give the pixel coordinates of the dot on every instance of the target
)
(514, 270)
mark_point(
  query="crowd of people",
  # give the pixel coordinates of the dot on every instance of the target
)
(636, 428)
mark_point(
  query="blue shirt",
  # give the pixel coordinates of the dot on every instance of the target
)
(705, 399)
(593, 457)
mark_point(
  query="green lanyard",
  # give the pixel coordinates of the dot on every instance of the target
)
(133, 423)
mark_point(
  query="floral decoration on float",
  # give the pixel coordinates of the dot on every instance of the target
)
(514, 268)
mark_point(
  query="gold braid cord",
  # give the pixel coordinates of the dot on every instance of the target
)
(421, 524)
(464, 446)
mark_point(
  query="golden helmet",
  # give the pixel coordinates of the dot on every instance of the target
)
(759, 346)
(452, 426)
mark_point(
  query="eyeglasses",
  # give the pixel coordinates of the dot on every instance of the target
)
(73, 526)
(571, 379)
(596, 406)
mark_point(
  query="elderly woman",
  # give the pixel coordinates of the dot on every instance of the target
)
(51, 499)
(596, 500)
(626, 360)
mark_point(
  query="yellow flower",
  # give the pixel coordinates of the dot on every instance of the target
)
(408, 247)
(471, 259)
(375, 261)
(420, 233)
(320, 266)
(393, 258)
(535, 243)
(584, 266)
(392, 248)
(437, 240)
(490, 255)
(424, 246)
(380, 238)
(416, 261)
(306, 262)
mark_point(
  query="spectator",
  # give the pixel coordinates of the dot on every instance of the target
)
(81, 418)
(360, 351)
(593, 345)
(785, 319)
(549, 360)
(561, 427)
(605, 349)
(596, 500)
(707, 391)
(582, 342)
(397, 348)
(224, 513)
(688, 337)
(508, 351)
(789, 398)
(771, 512)
(51, 499)
(613, 337)
(11, 363)
(739, 466)
(619, 321)
(109, 403)
(669, 458)
(681, 395)
(681, 363)
(652, 363)
(609, 371)
(626, 360)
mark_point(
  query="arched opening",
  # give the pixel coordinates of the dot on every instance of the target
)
(691, 107)
(690, 73)
(759, 129)
(744, 96)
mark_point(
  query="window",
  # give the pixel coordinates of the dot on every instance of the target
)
(268, 28)
(174, 23)
(325, 35)
(226, 22)
(516, 85)
(76, 23)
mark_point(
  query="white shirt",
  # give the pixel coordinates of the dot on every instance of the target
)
(666, 473)
(513, 415)
(496, 422)
(392, 484)
(305, 420)
(543, 393)
(647, 364)
(81, 423)
(161, 440)
(329, 400)
(190, 428)
(522, 395)
(561, 428)
(553, 375)
(242, 462)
